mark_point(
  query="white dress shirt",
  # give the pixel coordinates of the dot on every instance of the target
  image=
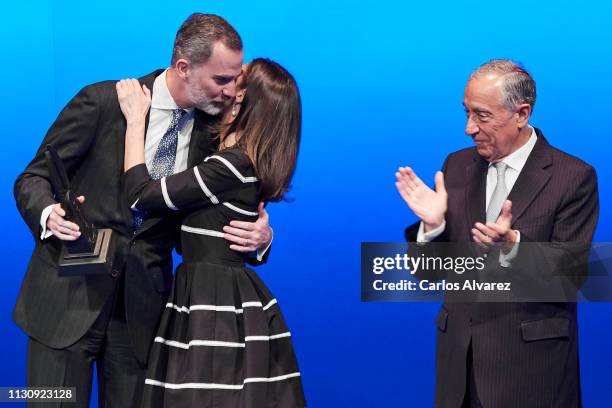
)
(162, 105)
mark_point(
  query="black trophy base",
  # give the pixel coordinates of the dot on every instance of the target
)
(98, 261)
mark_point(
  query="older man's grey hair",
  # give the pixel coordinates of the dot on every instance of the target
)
(518, 86)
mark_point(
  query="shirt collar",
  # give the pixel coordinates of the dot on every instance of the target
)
(161, 98)
(517, 159)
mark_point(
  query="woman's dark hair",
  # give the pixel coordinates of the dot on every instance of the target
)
(269, 124)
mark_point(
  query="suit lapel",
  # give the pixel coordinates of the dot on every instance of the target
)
(533, 177)
(476, 174)
(148, 81)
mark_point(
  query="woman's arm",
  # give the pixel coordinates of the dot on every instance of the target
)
(135, 102)
(206, 184)
(217, 179)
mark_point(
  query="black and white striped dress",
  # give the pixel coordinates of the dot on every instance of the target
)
(222, 340)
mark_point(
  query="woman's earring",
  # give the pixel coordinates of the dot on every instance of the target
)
(234, 109)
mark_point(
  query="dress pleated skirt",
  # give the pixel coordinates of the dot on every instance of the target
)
(223, 343)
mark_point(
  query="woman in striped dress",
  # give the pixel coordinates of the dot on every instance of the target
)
(222, 340)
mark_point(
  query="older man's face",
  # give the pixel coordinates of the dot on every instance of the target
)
(491, 125)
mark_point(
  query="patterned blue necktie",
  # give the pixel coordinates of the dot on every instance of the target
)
(163, 161)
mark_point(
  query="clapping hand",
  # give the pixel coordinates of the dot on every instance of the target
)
(429, 205)
(491, 233)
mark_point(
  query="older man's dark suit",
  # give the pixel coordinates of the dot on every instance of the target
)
(524, 354)
(57, 311)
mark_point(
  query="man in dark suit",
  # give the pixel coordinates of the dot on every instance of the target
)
(110, 319)
(511, 188)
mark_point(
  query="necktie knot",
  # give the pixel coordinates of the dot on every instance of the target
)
(177, 115)
(501, 169)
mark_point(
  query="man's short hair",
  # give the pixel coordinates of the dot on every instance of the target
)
(518, 85)
(199, 33)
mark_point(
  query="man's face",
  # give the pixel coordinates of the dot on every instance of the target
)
(211, 86)
(489, 122)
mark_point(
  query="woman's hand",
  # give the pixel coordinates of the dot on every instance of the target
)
(134, 100)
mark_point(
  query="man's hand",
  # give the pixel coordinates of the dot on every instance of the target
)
(249, 236)
(62, 229)
(491, 233)
(429, 205)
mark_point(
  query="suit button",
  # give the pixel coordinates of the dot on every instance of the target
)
(114, 273)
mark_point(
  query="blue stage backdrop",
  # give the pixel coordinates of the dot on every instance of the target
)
(382, 85)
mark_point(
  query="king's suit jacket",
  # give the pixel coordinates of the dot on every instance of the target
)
(524, 354)
(89, 136)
